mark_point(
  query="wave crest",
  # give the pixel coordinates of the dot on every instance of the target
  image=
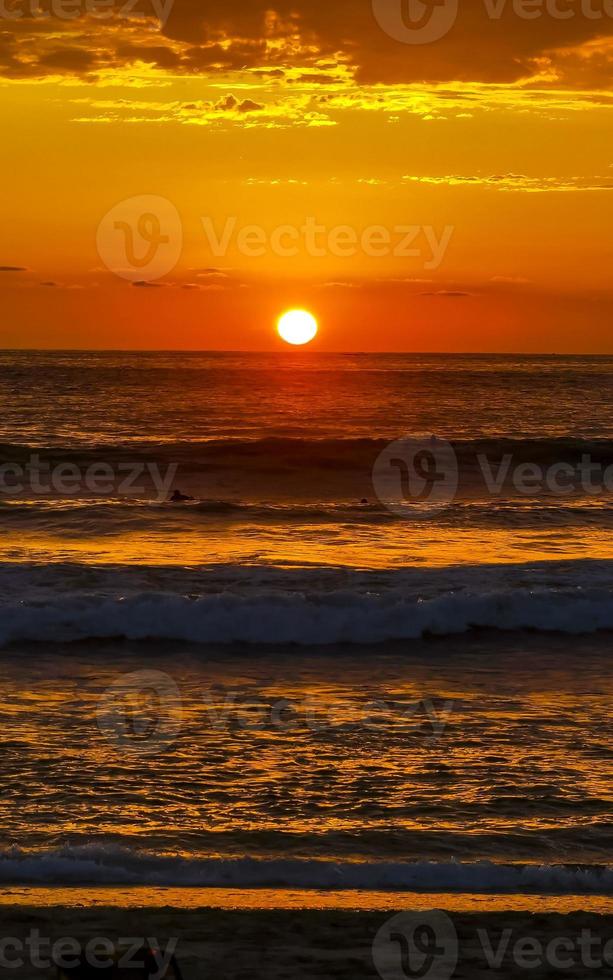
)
(302, 606)
(113, 865)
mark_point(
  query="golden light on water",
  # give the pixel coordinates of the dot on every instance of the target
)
(297, 327)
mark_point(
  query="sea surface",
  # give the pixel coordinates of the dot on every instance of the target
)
(334, 666)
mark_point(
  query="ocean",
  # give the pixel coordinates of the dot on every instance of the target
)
(315, 670)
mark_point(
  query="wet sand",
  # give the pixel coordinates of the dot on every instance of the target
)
(294, 943)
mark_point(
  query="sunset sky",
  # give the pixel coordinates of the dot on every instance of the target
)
(491, 148)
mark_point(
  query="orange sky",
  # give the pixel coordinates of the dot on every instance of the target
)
(445, 195)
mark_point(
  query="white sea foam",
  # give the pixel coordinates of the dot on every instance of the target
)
(110, 864)
(300, 606)
(306, 620)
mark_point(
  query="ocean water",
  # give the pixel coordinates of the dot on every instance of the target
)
(307, 675)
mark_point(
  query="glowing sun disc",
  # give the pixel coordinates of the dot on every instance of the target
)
(297, 327)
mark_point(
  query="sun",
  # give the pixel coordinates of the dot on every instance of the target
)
(297, 327)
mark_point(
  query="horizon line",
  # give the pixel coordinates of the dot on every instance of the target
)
(299, 350)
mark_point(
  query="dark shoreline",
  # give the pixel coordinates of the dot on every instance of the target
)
(279, 945)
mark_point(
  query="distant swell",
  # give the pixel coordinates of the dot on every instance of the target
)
(111, 865)
(305, 452)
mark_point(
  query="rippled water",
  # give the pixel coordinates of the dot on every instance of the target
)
(350, 697)
(123, 397)
(278, 453)
(437, 751)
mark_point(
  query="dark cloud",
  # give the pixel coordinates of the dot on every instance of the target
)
(248, 105)
(229, 103)
(13, 268)
(449, 294)
(215, 57)
(488, 41)
(269, 72)
(315, 77)
(72, 59)
(477, 47)
(160, 55)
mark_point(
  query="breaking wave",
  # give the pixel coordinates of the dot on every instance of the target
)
(305, 606)
(112, 865)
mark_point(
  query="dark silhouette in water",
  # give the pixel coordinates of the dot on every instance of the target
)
(179, 498)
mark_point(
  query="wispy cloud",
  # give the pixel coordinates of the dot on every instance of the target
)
(517, 182)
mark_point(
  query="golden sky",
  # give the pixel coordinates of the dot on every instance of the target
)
(416, 193)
